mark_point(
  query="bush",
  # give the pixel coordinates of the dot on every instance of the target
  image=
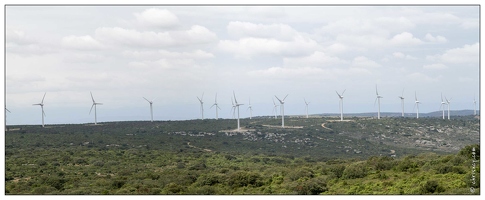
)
(355, 170)
(337, 170)
(468, 151)
(312, 186)
(431, 186)
(300, 173)
(242, 179)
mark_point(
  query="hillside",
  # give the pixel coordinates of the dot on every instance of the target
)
(210, 156)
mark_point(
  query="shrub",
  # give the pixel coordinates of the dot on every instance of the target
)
(300, 173)
(468, 151)
(242, 178)
(337, 170)
(431, 186)
(312, 186)
(443, 169)
(355, 170)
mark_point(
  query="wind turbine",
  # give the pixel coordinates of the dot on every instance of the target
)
(237, 105)
(201, 105)
(282, 102)
(250, 108)
(275, 111)
(442, 107)
(341, 105)
(474, 106)
(416, 105)
(448, 103)
(151, 109)
(94, 105)
(378, 99)
(217, 107)
(306, 103)
(402, 102)
(41, 104)
(233, 109)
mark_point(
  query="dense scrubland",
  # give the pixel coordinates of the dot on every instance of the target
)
(208, 157)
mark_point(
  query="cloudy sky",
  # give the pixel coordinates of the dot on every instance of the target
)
(175, 53)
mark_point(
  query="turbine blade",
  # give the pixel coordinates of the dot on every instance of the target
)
(7, 110)
(43, 113)
(43, 98)
(278, 99)
(376, 90)
(375, 102)
(146, 99)
(285, 97)
(343, 92)
(337, 93)
(442, 97)
(402, 92)
(415, 97)
(91, 108)
(92, 96)
(235, 100)
(212, 106)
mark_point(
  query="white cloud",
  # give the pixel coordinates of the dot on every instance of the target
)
(435, 66)
(317, 59)
(18, 37)
(157, 18)
(419, 77)
(437, 39)
(470, 23)
(362, 61)
(247, 29)
(80, 42)
(248, 47)
(405, 39)
(83, 58)
(195, 35)
(466, 54)
(155, 55)
(403, 56)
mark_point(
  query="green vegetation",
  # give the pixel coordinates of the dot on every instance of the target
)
(201, 157)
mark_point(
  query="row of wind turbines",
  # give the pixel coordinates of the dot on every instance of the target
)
(235, 105)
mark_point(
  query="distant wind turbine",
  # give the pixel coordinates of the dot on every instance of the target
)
(151, 108)
(442, 107)
(306, 106)
(341, 105)
(402, 102)
(448, 103)
(201, 105)
(275, 111)
(250, 108)
(416, 105)
(237, 105)
(217, 107)
(282, 102)
(41, 104)
(378, 99)
(474, 106)
(94, 105)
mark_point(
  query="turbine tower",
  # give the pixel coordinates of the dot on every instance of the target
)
(94, 105)
(442, 107)
(306, 106)
(151, 109)
(402, 102)
(236, 105)
(474, 106)
(250, 108)
(201, 105)
(341, 105)
(217, 107)
(378, 99)
(282, 102)
(275, 111)
(448, 103)
(41, 104)
(416, 105)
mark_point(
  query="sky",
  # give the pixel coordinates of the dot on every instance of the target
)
(174, 54)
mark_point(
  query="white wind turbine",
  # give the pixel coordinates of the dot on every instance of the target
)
(402, 102)
(448, 103)
(306, 106)
(94, 105)
(41, 104)
(250, 108)
(201, 105)
(474, 106)
(275, 111)
(416, 105)
(236, 105)
(217, 107)
(378, 99)
(282, 102)
(442, 107)
(341, 105)
(151, 108)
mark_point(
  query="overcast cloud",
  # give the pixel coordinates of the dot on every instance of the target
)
(176, 53)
